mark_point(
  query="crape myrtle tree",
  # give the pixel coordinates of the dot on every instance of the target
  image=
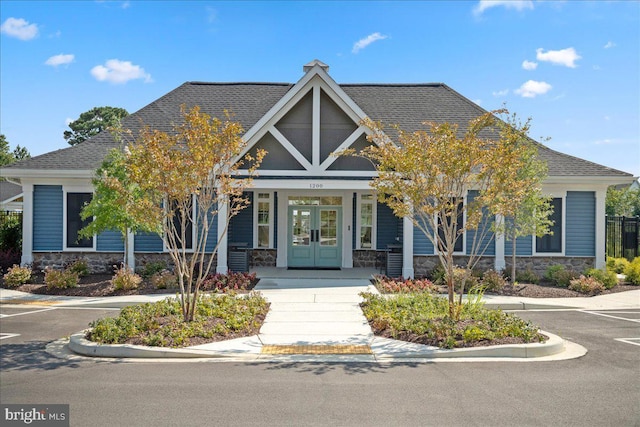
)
(425, 175)
(524, 209)
(188, 178)
(117, 202)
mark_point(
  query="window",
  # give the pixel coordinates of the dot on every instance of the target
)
(75, 203)
(264, 220)
(366, 221)
(459, 243)
(552, 243)
(188, 223)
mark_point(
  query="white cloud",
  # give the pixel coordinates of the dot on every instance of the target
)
(529, 65)
(508, 4)
(19, 28)
(118, 72)
(566, 57)
(362, 43)
(532, 88)
(609, 45)
(61, 59)
(212, 15)
(502, 92)
(126, 5)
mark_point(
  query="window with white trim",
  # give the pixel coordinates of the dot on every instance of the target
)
(263, 220)
(74, 204)
(552, 242)
(458, 245)
(366, 221)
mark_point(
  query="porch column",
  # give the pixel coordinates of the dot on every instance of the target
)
(27, 224)
(600, 249)
(222, 266)
(499, 261)
(407, 248)
(131, 257)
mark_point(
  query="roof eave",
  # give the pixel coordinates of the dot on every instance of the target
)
(604, 180)
(16, 175)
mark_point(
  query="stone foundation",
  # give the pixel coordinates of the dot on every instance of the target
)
(539, 265)
(365, 259)
(424, 265)
(97, 262)
(263, 257)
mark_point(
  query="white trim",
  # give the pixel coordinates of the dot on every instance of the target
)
(27, 224)
(345, 144)
(311, 186)
(194, 229)
(256, 201)
(315, 127)
(374, 220)
(407, 248)
(290, 148)
(306, 173)
(600, 238)
(463, 252)
(563, 230)
(222, 263)
(66, 189)
(499, 257)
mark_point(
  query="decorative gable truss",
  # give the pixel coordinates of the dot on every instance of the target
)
(314, 119)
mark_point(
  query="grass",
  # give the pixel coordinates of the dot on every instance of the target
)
(160, 324)
(423, 318)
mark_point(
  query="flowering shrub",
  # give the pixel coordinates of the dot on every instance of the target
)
(560, 276)
(80, 267)
(229, 282)
(125, 279)
(586, 285)
(387, 285)
(608, 278)
(60, 279)
(164, 279)
(17, 276)
(493, 280)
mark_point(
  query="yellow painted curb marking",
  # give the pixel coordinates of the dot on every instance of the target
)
(317, 349)
(29, 302)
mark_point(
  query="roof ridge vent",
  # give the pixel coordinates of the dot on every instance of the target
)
(313, 63)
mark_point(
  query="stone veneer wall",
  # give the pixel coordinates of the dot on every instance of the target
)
(363, 258)
(424, 265)
(98, 262)
(263, 257)
(539, 265)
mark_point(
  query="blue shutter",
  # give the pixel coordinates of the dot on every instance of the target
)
(47, 217)
(580, 223)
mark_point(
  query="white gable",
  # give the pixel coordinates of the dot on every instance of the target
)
(314, 119)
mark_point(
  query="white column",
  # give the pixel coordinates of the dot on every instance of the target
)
(131, 257)
(407, 248)
(27, 224)
(222, 265)
(283, 215)
(600, 228)
(347, 229)
(500, 263)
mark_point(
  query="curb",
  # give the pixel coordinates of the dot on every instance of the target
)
(384, 350)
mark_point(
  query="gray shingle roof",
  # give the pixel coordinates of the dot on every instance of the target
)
(9, 190)
(405, 104)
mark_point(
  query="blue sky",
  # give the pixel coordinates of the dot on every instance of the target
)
(573, 67)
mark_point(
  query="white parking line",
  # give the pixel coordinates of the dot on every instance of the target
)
(634, 341)
(28, 312)
(4, 335)
(613, 317)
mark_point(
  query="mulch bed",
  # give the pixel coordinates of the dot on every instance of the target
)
(550, 291)
(97, 285)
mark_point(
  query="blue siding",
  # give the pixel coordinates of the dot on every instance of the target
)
(580, 223)
(488, 240)
(147, 242)
(241, 225)
(523, 246)
(47, 217)
(422, 245)
(110, 241)
(389, 227)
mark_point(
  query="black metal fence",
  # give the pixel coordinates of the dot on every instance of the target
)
(623, 237)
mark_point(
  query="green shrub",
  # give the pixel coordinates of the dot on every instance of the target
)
(387, 285)
(10, 233)
(493, 280)
(151, 268)
(558, 275)
(125, 279)
(161, 323)
(80, 267)
(463, 278)
(633, 272)
(60, 279)
(608, 278)
(17, 276)
(438, 275)
(586, 285)
(164, 280)
(617, 265)
(527, 276)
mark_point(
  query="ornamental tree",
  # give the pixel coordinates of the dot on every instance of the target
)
(425, 176)
(189, 177)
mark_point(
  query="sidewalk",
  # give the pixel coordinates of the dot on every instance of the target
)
(322, 318)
